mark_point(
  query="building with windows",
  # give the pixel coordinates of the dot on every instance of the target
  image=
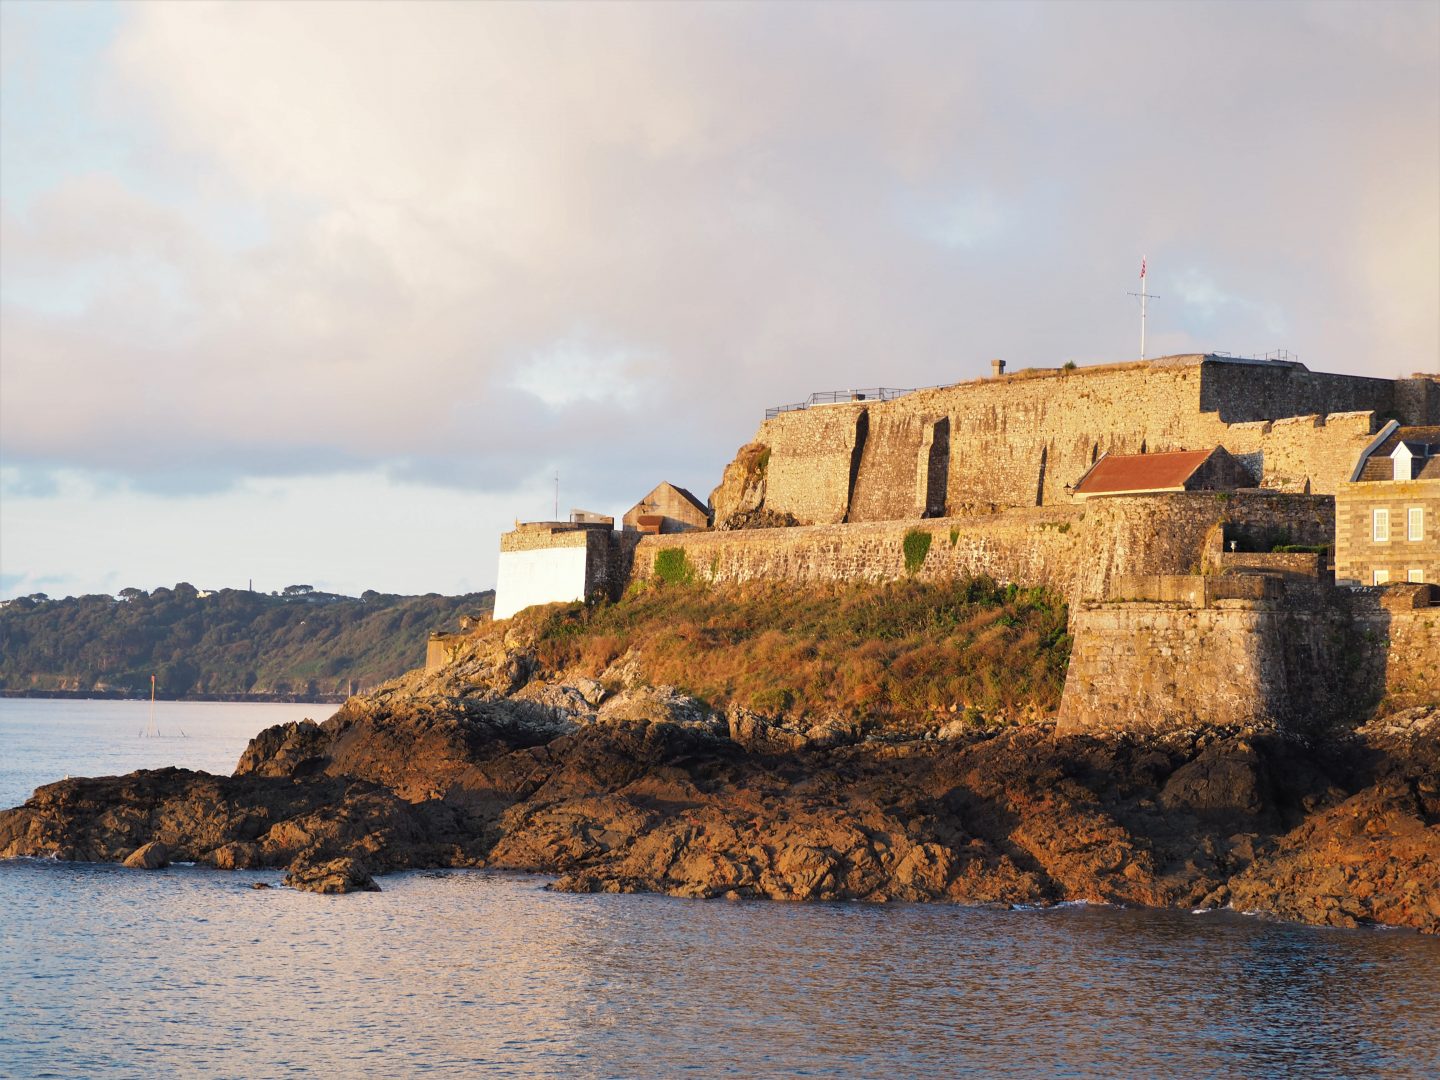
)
(1387, 517)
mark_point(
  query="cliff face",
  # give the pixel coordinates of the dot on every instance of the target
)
(493, 761)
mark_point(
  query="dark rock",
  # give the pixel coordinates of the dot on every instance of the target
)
(294, 749)
(651, 796)
(1225, 779)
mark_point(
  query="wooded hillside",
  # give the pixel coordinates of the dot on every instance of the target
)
(232, 641)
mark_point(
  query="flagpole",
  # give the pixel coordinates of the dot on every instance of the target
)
(1143, 297)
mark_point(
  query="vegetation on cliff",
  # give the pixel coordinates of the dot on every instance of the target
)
(969, 647)
(228, 642)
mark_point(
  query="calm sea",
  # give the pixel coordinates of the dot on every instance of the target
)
(109, 972)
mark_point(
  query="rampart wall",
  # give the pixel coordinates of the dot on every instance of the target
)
(1074, 549)
(892, 479)
(1018, 440)
(1034, 547)
(1411, 640)
(1238, 392)
(1177, 660)
(811, 455)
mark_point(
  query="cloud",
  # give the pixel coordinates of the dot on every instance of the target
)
(1208, 304)
(573, 371)
(463, 245)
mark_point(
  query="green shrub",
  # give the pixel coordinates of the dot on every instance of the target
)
(954, 537)
(1069, 365)
(1295, 549)
(672, 567)
(916, 546)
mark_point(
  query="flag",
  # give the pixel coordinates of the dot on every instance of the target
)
(1142, 267)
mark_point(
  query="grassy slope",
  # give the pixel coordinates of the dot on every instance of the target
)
(904, 649)
(232, 642)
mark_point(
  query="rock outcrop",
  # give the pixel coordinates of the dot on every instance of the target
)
(642, 788)
(151, 856)
(741, 494)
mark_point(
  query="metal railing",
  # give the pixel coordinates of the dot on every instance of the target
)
(1281, 355)
(832, 397)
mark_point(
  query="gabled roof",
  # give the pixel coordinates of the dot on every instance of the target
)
(699, 504)
(649, 500)
(1115, 473)
(679, 491)
(1376, 463)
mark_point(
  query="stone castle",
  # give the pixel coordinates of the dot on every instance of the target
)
(1020, 439)
(1171, 585)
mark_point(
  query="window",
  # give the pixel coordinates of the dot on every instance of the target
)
(1415, 574)
(1381, 530)
(1382, 576)
(1416, 523)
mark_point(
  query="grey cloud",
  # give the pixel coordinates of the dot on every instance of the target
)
(747, 203)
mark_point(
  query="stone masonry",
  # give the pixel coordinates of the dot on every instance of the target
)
(1074, 549)
(1182, 611)
(1180, 657)
(1019, 439)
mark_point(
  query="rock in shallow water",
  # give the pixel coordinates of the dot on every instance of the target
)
(343, 875)
(151, 856)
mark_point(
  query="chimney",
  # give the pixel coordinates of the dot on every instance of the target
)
(997, 368)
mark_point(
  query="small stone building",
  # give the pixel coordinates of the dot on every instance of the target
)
(1152, 474)
(1387, 518)
(667, 509)
(547, 562)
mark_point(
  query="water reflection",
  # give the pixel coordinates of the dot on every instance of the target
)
(121, 973)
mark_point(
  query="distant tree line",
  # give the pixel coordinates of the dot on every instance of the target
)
(232, 641)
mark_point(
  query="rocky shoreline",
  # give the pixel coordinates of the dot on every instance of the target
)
(1257, 821)
(491, 764)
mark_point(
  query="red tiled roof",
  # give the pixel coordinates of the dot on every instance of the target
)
(1142, 472)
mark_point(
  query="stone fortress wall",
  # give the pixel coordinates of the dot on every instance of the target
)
(1232, 632)
(1169, 659)
(1018, 440)
(1076, 550)
(1171, 627)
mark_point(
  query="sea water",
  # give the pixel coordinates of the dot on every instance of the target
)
(188, 971)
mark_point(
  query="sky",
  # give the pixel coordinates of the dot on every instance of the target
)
(328, 293)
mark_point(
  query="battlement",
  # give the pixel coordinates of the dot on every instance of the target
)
(1022, 438)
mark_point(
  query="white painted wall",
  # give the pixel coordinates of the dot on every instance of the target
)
(539, 576)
